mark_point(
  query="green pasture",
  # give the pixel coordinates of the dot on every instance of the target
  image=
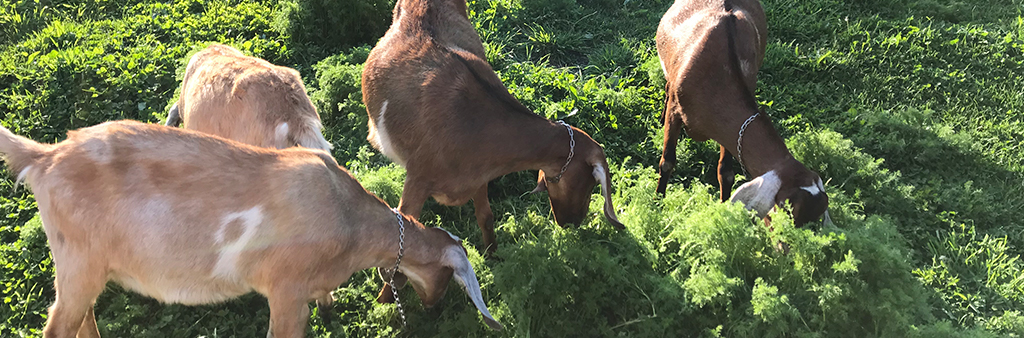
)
(912, 111)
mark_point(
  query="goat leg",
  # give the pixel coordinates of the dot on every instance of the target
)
(289, 314)
(89, 328)
(485, 219)
(673, 128)
(77, 288)
(413, 197)
(726, 173)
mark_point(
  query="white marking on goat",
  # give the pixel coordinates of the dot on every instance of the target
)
(456, 238)
(281, 135)
(599, 175)
(382, 139)
(22, 175)
(229, 252)
(813, 189)
(312, 137)
(745, 67)
(759, 193)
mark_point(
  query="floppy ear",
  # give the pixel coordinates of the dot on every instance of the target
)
(542, 184)
(759, 194)
(604, 178)
(827, 221)
(386, 296)
(455, 258)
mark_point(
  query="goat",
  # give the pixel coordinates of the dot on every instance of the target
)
(246, 99)
(437, 108)
(186, 217)
(710, 52)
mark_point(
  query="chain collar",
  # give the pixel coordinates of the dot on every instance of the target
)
(739, 141)
(394, 271)
(572, 151)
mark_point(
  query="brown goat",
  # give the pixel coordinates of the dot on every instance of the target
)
(438, 109)
(186, 217)
(246, 99)
(711, 52)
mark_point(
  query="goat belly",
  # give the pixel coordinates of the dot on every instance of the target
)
(166, 263)
(183, 291)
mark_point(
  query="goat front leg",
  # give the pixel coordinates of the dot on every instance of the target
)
(726, 174)
(673, 127)
(289, 314)
(485, 219)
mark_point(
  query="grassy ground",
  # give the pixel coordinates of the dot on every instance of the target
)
(913, 111)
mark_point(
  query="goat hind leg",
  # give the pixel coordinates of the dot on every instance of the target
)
(485, 219)
(71, 314)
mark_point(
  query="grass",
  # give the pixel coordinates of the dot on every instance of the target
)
(911, 110)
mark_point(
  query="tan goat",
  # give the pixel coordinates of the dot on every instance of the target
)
(710, 52)
(438, 109)
(185, 217)
(246, 99)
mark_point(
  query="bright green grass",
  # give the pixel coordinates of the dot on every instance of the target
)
(911, 110)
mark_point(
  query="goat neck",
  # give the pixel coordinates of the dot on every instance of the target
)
(763, 148)
(546, 148)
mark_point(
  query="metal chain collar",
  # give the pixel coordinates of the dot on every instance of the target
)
(739, 141)
(394, 271)
(572, 151)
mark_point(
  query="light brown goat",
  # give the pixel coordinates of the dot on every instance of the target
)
(185, 217)
(246, 99)
(711, 52)
(438, 109)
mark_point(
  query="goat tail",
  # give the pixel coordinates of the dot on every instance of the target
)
(20, 153)
(309, 135)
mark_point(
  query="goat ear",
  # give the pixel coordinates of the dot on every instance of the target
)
(542, 184)
(827, 221)
(759, 194)
(604, 178)
(463, 273)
